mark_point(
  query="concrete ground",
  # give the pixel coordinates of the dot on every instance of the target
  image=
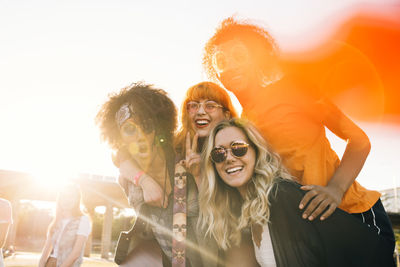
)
(25, 259)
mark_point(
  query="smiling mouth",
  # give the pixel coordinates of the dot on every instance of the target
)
(202, 123)
(234, 170)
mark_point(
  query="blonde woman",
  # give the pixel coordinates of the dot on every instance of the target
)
(244, 185)
(67, 232)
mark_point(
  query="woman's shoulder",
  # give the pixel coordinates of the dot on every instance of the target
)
(286, 189)
(5, 210)
(84, 218)
(4, 201)
(286, 184)
(81, 221)
(84, 226)
(5, 204)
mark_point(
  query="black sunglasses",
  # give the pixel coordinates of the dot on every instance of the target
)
(129, 129)
(238, 149)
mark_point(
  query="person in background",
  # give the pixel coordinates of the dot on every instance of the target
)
(68, 232)
(5, 222)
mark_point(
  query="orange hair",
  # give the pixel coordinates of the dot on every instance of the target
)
(260, 43)
(202, 90)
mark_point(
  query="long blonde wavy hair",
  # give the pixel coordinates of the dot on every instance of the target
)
(223, 213)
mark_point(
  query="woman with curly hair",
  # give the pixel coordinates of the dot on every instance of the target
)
(139, 123)
(241, 171)
(292, 114)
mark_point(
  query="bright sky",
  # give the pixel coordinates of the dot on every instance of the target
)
(60, 59)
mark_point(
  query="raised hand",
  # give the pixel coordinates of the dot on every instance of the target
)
(192, 160)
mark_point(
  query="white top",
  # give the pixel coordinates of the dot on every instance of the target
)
(5, 211)
(265, 253)
(5, 217)
(84, 229)
(1, 258)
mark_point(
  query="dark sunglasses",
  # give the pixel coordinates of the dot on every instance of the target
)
(129, 129)
(238, 149)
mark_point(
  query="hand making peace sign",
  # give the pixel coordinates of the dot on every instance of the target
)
(192, 160)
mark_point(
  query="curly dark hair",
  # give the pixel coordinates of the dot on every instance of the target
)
(152, 109)
(260, 43)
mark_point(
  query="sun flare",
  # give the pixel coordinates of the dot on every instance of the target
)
(53, 180)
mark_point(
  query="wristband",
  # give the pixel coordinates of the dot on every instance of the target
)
(137, 177)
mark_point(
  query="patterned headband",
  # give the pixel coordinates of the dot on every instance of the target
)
(123, 114)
